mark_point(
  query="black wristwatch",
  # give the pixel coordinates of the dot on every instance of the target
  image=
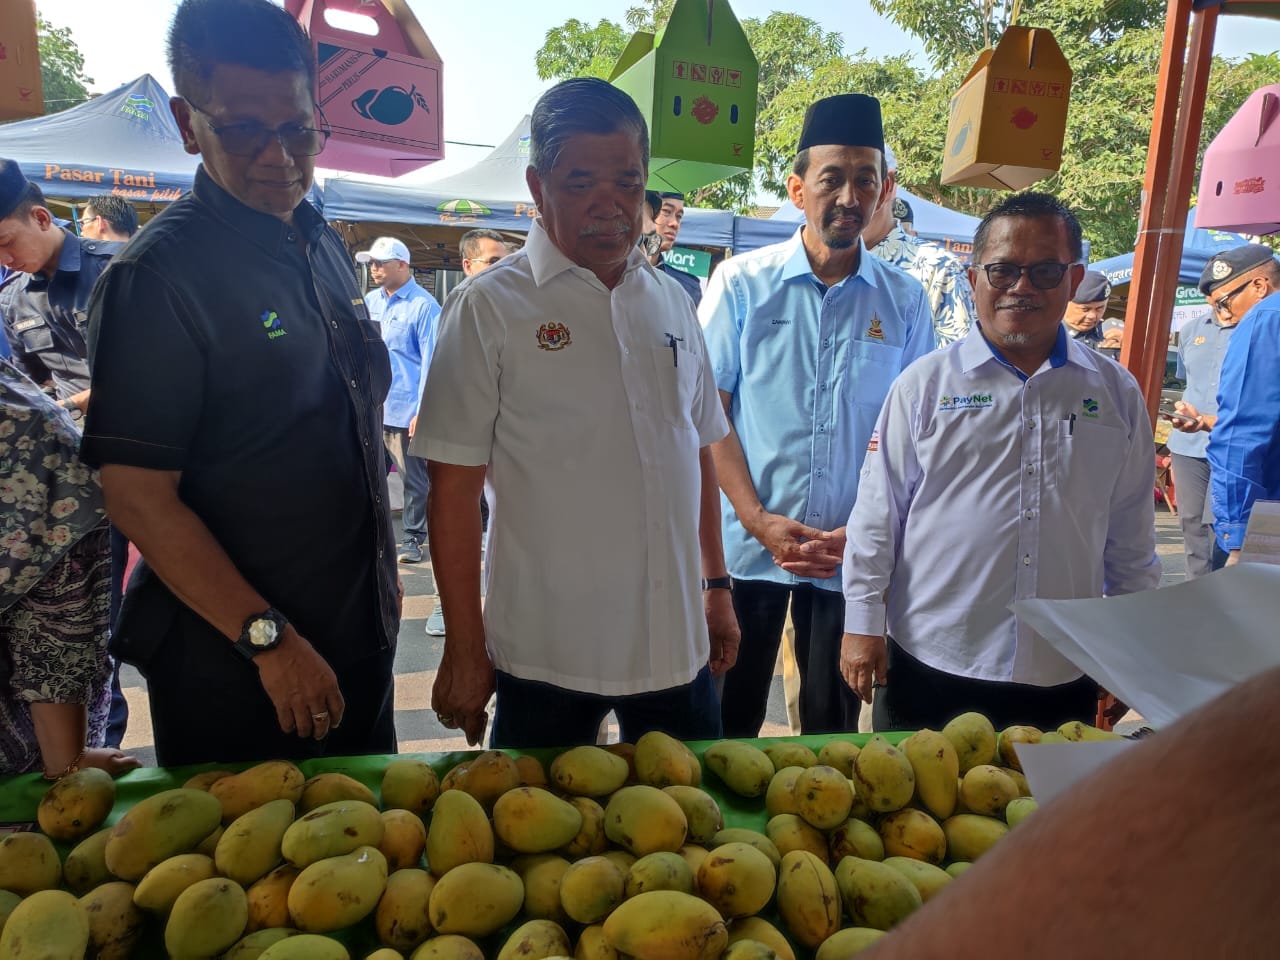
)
(262, 632)
(717, 583)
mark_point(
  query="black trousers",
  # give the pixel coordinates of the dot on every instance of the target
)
(919, 696)
(827, 705)
(208, 705)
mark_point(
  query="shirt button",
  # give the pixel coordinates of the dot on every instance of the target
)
(826, 343)
(377, 498)
(1026, 561)
(354, 384)
(1031, 424)
(1031, 468)
(817, 473)
(334, 324)
(1029, 514)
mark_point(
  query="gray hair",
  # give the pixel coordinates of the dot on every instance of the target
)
(581, 105)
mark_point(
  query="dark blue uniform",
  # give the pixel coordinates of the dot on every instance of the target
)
(687, 280)
(46, 319)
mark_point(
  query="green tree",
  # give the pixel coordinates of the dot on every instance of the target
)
(61, 67)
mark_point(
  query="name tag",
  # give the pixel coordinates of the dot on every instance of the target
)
(28, 324)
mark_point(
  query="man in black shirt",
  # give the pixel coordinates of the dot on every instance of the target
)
(237, 394)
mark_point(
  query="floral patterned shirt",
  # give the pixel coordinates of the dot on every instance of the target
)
(49, 499)
(945, 280)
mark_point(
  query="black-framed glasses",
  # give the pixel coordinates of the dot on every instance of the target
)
(248, 139)
(1043, 276)
(1223, 304)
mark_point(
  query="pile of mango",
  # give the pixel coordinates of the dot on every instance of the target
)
(609, 853)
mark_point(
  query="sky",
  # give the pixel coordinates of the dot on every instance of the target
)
(490, 81)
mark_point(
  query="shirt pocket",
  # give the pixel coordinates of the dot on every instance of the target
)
(676, 370)
(868, 371)
(36, 339)
(1085, 459)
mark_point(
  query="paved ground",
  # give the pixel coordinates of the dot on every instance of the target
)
(419, 655)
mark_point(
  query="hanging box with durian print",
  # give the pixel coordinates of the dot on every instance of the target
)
(695, 82)
(380, 94)
(1240, 177)
(1009, 118)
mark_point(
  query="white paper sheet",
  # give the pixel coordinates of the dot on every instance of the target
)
(1167, 652)
(1262, 535)
(1053, 767)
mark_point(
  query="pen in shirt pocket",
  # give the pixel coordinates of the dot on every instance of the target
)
(672, 340)
(1071, 425)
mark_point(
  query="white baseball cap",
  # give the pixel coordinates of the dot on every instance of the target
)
(384, 248)
(890, 161)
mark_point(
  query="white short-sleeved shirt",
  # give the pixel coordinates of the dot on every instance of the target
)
(589, 407)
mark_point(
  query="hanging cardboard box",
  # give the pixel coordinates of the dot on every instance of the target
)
(380, 94)
(21, 92)
(1240, 177)
(1009, 117)
(695, 83)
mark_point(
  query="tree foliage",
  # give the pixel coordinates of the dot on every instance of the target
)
(61, 67)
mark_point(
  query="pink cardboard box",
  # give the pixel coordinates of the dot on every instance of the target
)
(380, 94)
(1240, 177)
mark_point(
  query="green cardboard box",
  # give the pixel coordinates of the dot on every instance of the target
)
(695, 82)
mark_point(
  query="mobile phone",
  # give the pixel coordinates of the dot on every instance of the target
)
(1168, 412)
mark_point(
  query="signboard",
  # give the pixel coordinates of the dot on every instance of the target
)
(696, 262)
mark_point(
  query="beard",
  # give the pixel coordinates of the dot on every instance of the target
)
(834, 238)
(1015, 339)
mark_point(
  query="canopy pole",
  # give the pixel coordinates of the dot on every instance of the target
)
(1175, 141)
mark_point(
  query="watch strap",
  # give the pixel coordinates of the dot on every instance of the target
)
(717, 583)
(243, 644)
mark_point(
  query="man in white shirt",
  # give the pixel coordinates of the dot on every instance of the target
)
(1015, 463)
(576, 374)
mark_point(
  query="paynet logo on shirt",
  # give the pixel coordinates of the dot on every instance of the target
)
(974, 401)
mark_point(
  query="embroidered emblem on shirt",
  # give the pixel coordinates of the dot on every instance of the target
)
(271, 321)
(1090, 408)
(1221, 269)
(874, 443)
(874, 331)
(974, 401)
(553, 336)
(1197, 341)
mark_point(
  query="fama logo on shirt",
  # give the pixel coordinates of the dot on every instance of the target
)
(1090, 408)
(271, 321)
(974, 401)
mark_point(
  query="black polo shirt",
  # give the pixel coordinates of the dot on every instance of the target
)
(46, 319)
(223, 349)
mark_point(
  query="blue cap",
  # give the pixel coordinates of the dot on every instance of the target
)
(1224, 267)
(13, 186)
(1093, 288)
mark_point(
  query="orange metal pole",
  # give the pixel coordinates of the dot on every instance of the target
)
(1145, 342)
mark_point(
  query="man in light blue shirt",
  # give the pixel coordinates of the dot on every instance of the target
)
(407, 316)
(1244, 445)
(804, 338)
(1016, 463)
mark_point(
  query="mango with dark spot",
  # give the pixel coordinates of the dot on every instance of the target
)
(332, 830)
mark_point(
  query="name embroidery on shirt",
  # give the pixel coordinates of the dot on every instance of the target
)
(873, 331)
(974, 401)
(779, 322)
(553, 336)
(1090, 408)
(271, 322)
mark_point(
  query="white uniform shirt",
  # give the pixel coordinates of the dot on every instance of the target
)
(983, 487)
(589, 407)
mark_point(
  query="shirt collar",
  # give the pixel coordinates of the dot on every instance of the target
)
(547, 261)
(976, 350)
(797, 264)
(69, 257)
(270, 233)
(402, 293)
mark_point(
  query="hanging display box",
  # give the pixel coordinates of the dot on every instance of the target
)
(1009, 117)
(695, 82)
(1240, 176)
(21, 92)
(380, 94)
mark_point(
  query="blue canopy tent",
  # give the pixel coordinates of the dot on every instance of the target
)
(431, 216)
(124, 142)
(1199, 247)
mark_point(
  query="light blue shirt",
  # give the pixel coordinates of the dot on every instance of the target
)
(1244, 446)
(408, 320)
(1202, 344)
(808, 368)
(986, 486)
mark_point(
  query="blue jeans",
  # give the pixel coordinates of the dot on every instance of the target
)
(532, 714)
(413, 471)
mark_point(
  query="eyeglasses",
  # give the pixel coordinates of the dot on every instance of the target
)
(488, 261)
(1223, 304)
(248, 139)
(1043, 276)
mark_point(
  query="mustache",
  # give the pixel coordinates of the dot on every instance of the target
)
(1007, 302)
(837, 213)
(605, 227)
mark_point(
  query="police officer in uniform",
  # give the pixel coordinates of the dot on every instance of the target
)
(45, 297)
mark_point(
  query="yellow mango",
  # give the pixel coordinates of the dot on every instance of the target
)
(884, 777)
(205, 780)
(535, 940)
(928, 879)
(592, 888)
(1009, 738)
(745, 769)
(332, 830)
(788, 832)
(329, 788)
(1078, 732)
(808, 898)
(590, 839)
(788, 753)
(748, 950)
(913, 833)
(47, 925)
(253, 945)
(448, 947)
(663, 761)
(338, 891)
(459, 833)
(875, 895)
(261, 783)
(531, 772)
(404, 838)
(643, 819)
(845, 943)
(592, 944)
(401, 918)
(839, 754)
(490, 775)
(158, 827)
(28, 862)
(588, 771)
(666, 925)
(269, 899)
(77, 804)
(693, 855)
(86, 864)
(1019, 809)
(701, 811)
(541, 875)
(753, 837)
(936, 766)
(659, 871)
(855, 838)
(736, 879)
(987, 790)
(115, 923)
(306, 946)
(761, 931)
(531, 820)
(970, 835)
(206, 920)
(160, 886)
(475, 899)
(822, 796)
(409, 784)
(249, 847)
(974, 738)
(780, 797)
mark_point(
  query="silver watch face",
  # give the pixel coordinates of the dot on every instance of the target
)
(263, 633)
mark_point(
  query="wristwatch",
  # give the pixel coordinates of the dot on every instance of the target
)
(262, 632)
(717, 583)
